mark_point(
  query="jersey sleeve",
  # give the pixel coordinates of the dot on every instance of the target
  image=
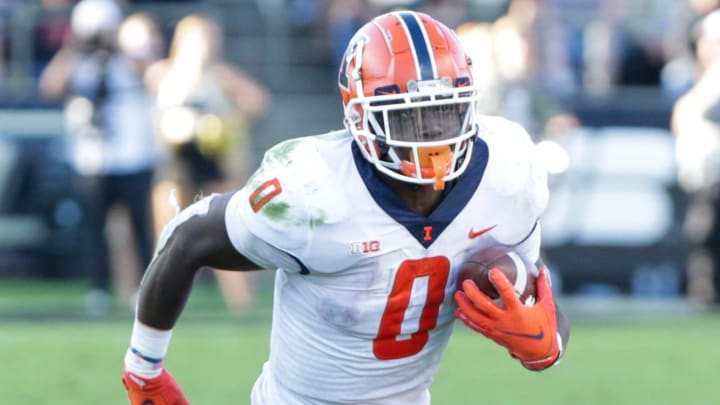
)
(251, 245)
(530, 247)
(518, 177)
(270, 220)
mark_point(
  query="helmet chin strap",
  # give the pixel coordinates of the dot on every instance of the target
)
(434, 163)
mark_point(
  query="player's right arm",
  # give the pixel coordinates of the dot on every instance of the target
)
(195, 238)
(267, 224)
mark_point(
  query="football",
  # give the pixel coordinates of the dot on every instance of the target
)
(517, 270)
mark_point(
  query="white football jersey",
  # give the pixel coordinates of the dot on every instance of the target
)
(363, 304)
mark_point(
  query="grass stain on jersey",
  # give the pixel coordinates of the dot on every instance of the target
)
(276, 211)
(282, 150)
(280, 212)
(318, 219)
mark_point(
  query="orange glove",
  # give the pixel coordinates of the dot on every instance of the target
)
(528, 332)
(161, 390)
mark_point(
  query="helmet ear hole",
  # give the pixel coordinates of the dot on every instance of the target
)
(380, 148)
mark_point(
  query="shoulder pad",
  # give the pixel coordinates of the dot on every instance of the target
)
(514, 170)
(283, 194)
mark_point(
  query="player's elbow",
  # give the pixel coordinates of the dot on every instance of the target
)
(189, 251)
(179, 252)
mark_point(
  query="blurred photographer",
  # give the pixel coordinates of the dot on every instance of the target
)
(98, 74)
(205, 110)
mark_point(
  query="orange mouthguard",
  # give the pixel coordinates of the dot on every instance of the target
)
(434, 162)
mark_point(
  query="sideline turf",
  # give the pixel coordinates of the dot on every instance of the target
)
(52, 354)
(651, 362)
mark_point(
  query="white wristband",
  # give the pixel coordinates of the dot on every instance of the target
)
(148, 347)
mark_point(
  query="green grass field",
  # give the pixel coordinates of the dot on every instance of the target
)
(216, 358)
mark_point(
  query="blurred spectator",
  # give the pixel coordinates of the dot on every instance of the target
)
(602, 49)
(3, 42)
(51, 30)
(99, 73)
(8, 9)
(345, 17)
(205, 109)
(451, 12)
(614, 42)
(477, 40)
(696, 125)
(305, 15)
(642, 25)
(538, 21)
(504, 65)
(680, 70)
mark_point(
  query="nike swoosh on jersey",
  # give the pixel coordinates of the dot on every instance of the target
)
(474, 234)
(538, 336)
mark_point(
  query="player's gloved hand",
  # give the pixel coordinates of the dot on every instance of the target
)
(528, 332)
(161, 390)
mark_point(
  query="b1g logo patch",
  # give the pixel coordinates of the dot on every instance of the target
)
(361, 248)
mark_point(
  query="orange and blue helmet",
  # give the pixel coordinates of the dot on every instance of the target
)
(409, 98)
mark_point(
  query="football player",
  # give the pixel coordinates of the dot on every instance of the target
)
(367, 228)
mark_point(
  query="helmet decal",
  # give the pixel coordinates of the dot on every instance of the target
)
(389, 89)
(420, 45)
(352, 53)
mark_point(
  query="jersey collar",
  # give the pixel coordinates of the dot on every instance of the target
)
(456, 195)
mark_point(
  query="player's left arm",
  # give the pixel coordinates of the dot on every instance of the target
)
(563, 324)
(531, 247)
(536, 335)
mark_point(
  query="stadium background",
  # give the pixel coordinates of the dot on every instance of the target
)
(614, 231)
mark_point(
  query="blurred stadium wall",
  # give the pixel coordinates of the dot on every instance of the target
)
(285, 44)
